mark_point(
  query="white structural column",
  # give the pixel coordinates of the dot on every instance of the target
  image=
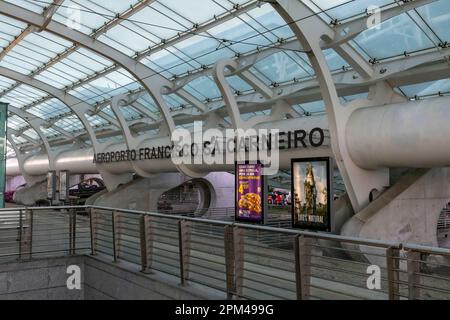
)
(359, 182)
(131, 142)
(229, 97)
(21, 158)
(227, 93)
(280, 108)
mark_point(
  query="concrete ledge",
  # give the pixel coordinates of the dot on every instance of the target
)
(45, 279)
(40, 279)
(124, 280)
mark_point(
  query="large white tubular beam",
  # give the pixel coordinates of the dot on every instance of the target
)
(421, 141)
(414, 134)
(81, 160)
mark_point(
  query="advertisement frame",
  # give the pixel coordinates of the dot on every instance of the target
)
(263, 194)
(328, 226)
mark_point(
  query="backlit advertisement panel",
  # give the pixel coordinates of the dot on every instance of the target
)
(249, 193)
(311, 194)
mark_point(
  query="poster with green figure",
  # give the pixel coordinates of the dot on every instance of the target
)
(311, 205)
(3, 128)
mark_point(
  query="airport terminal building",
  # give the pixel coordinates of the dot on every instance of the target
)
(225, 149)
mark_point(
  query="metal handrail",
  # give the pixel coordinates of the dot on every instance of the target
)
(317, 235)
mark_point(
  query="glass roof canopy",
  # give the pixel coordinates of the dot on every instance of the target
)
(180, 38)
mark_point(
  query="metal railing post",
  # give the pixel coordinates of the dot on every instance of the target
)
(184, 237)
(20, 233)
(302, 248)
(30, 234)
(413, 268)
(72, 231)
(115, 234)
(392, 268)
(74, 238)
(91, 215)
(234, 260)
(146, 241)
(26, 233)
(238, 237)
(229, 261)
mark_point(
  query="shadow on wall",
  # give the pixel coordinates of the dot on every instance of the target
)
(410, 215)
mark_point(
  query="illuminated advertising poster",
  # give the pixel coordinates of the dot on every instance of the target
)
(249, 193)
(311, 194)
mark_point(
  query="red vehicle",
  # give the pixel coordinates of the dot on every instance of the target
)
(279, 200)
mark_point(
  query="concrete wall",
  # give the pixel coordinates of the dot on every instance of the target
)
(124, 281)
(45, 279)
(143, 193)
(412, 216)
(407, 212)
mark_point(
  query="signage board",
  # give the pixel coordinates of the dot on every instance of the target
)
(311, 193)
(250, 190)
